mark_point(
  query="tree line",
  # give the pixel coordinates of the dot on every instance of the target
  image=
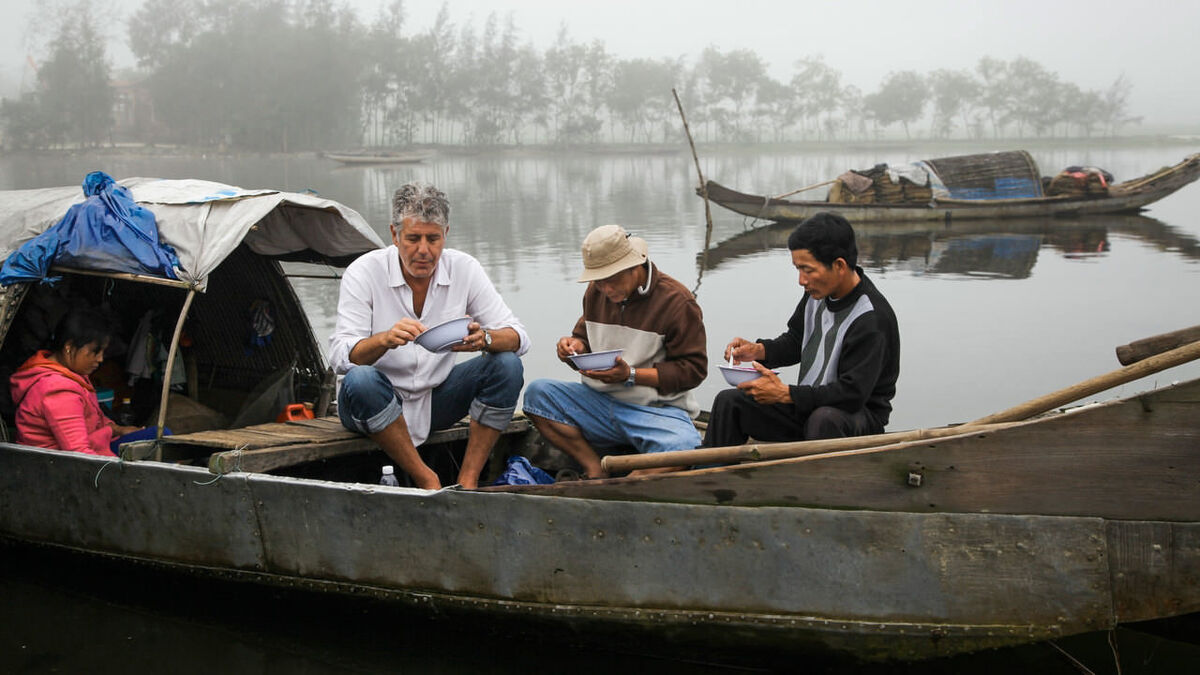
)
(289, 75)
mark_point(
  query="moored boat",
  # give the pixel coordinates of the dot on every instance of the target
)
(362, 157)
(994, 185)
(1009, 532)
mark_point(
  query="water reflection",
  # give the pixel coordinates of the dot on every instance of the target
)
(126, 618)
(978, 302)
(1005, 248)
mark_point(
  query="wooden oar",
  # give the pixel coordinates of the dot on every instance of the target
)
(805, 189)
(758, 452)
(1156, 344)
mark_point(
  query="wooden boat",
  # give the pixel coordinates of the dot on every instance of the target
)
(969, 176)
(363, 157)
(1004, 531)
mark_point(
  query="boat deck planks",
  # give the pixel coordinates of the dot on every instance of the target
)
(266, 435)
(264, 447)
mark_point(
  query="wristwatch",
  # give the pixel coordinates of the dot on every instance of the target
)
(629, 381)
(487, 340)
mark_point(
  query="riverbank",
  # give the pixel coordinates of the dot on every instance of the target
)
(882, 146)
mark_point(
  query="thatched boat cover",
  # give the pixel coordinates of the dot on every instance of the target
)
(205, 221)
(995, 175)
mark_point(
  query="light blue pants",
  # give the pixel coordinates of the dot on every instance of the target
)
(606, 422)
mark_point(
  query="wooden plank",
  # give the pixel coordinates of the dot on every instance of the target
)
(1154, 568)
(235, 438)
(331, 423)
(460, 430)
(251, 458)
(265, 459)
(323, 430)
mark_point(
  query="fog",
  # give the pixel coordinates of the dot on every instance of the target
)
(1089, 44)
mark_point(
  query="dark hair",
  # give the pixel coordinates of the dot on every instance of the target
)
(827, 236)
(83, 326)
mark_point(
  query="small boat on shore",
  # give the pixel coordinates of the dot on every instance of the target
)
(363, 157)
(993, 185)
(1027, 525)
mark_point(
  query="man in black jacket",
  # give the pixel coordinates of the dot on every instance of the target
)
(844, 336)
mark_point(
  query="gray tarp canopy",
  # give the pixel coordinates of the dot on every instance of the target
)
(205, 221)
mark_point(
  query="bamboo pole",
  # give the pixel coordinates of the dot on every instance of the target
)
(703, 186)
(758, 452)
(166, 386)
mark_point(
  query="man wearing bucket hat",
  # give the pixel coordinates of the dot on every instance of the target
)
(397, 391)
(645, 399)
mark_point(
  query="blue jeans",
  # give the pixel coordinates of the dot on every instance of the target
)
(487, 387)
(606, 422)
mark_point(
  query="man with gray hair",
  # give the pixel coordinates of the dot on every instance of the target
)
(396, 391)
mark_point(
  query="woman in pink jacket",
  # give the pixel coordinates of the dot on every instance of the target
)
(56, 403)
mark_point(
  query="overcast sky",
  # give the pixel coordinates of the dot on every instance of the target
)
(1088, 43)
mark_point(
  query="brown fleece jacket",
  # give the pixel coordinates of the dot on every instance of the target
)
(663, 329)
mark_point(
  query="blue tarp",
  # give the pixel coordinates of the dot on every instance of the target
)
(1005, 188)
(107, 232)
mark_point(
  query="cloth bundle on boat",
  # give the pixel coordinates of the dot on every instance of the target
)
(1080, 181)
(997, 175)
(107, 232)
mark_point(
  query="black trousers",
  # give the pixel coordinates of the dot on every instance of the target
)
(736, 417)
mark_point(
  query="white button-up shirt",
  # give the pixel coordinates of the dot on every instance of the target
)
(374, 296)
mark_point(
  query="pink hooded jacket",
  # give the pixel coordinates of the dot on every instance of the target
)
(58, 409)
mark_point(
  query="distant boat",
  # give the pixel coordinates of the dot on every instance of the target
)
(380, 156)
(993, 185)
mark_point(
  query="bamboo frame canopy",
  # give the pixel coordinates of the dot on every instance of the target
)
(205, 221)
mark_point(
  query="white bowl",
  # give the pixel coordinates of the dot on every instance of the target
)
(736, 375)
(444, 335)
(596, 360)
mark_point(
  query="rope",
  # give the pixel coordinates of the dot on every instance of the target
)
(1074, 661)
(237, 465)
(96, 480)
(1112, 644)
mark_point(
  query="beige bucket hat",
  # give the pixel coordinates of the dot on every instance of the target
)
(609, 249)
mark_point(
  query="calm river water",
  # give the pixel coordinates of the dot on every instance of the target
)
(991, 314)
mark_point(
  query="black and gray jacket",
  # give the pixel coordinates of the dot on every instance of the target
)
(848, 350)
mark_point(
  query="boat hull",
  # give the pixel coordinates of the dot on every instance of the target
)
(876, 585)
(1128, 197)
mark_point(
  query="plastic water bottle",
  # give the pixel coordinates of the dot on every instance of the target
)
(389, 476)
